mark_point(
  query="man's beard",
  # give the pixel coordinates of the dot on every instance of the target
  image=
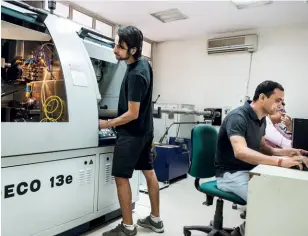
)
(121, 58)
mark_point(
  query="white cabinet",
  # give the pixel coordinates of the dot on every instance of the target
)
(40, 196)
(277, 202)
(107, 191)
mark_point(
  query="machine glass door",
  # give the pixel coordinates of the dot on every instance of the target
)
(32, 88)
(48, 100)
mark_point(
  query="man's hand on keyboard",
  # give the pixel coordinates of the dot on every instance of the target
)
(302, 160)
(305, 161)
(291, 162)
(291, 152)
(303, 152)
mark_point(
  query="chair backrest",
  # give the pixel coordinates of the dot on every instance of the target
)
(204, 144)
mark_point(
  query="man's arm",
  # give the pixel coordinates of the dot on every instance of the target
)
(136, 88)
(236, 127)
(289, 152)
(243, 153)
(266, 149)
(130, 115)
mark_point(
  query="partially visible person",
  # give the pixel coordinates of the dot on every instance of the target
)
(241, 144)
(276, 133)
(285, 122)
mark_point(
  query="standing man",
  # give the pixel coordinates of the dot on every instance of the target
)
(241, 144)
(134, 126)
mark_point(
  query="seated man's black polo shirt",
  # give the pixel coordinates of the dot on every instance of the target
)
(242, 121)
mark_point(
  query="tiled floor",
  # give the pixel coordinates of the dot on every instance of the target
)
(181, 204)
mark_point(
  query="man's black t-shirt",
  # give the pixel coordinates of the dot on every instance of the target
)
(242, 121)
(137, 86)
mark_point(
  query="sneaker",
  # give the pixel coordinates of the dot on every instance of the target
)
(150, 224)
(120, 230)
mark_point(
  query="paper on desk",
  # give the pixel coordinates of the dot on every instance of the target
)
(79, 77)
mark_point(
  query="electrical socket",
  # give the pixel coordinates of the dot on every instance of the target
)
(244, 99)
(226, 110)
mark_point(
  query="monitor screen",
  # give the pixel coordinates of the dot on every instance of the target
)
(300, 133)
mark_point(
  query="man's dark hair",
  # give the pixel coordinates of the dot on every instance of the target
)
(133, 37)
(267, 88)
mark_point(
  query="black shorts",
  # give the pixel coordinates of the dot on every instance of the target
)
(132, 153)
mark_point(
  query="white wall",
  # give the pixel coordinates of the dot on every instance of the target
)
(184, 73)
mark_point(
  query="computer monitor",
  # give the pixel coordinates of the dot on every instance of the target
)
(300, 133)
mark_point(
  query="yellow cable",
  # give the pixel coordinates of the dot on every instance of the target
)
(47, 102)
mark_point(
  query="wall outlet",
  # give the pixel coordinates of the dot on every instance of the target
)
(226, 110)
(244, 99)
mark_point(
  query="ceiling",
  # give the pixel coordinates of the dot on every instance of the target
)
(204, 17)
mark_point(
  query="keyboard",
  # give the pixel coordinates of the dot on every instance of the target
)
(305, 168)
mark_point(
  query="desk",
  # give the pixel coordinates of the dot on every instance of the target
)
(277, 202)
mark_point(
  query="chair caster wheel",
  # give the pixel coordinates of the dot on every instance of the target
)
(234, 206)
(187, 233)
(243, 215)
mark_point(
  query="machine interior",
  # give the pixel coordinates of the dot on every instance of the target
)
(32, 82)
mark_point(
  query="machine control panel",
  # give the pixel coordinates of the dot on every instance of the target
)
(107, 137)
(106, 133)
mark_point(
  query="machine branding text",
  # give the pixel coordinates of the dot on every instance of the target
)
(22, 188)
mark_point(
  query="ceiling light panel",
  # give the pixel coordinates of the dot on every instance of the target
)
(240, 4)
(169, 15)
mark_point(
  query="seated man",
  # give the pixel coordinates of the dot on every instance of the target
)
(276, 131)
(241, 144)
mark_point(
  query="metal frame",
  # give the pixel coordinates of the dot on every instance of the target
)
(94, 16)
(72, 6)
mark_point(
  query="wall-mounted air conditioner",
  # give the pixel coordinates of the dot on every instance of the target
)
(248, 43)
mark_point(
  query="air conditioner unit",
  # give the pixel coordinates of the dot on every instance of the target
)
(248, 43)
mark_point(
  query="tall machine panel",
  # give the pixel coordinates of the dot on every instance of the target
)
(57, 80)
(107, 189)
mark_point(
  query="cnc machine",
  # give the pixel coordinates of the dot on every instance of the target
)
(57, 78)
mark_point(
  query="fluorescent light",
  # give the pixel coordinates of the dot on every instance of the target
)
(169, 15)
(240, 4)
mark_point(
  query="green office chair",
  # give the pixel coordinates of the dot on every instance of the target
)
(204, 141)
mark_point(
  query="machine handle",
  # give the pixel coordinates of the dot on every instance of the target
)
(84, 31)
